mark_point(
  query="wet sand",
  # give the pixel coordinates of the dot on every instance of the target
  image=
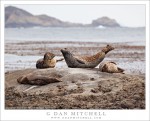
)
(80, 88)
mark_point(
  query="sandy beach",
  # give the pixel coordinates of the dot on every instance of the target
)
(80, 88)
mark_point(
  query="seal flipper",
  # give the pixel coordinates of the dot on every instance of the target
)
(61, 59)
(120, 70)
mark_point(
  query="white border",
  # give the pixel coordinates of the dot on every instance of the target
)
(38, 115)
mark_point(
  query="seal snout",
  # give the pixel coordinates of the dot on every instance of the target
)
(61, 50)
(64, 50)
(110, 47)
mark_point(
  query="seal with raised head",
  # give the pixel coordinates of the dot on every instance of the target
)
(85, 61)
(48, 61)
(110, 67)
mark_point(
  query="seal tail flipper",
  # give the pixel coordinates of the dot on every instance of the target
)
(61, 59)
(121, 70)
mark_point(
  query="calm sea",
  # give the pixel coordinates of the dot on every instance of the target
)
(113, 35)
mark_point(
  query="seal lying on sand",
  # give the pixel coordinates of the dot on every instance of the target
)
(48, 61)
(36, 79)
(110, 67)
(85, 61)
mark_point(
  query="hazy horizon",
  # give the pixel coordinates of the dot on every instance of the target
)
(125, 15)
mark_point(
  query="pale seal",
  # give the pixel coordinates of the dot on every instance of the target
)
(110, 67)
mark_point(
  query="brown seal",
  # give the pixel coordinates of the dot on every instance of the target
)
(48, 61)
(33, 79)
(85, 61)
(110, 67)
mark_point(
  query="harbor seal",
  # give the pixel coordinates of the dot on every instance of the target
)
(40, 80)
(85, 61)
(48, 61)
(110, 67)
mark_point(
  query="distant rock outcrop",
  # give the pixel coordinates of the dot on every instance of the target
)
(15, 17)
(105, 21)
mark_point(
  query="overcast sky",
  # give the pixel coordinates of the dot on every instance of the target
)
(126, 15)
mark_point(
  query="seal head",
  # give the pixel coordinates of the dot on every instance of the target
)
(107, 49)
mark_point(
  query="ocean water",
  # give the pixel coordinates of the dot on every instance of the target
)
(112, 35)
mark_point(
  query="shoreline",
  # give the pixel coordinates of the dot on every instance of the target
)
(24, 55)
